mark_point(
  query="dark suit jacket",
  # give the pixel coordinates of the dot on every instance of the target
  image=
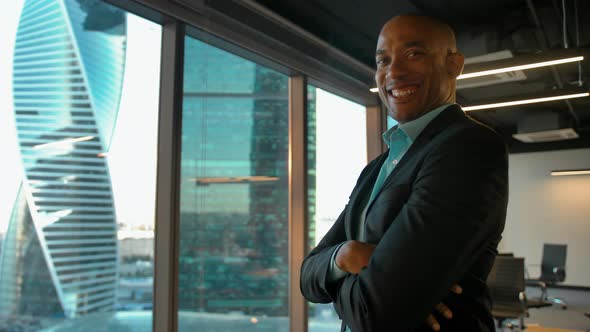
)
(436, 221)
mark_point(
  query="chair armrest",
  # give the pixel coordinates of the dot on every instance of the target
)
(559, 273)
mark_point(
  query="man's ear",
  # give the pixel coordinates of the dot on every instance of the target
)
(455, 62)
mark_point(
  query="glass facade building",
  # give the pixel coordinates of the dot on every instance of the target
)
(59, 256)
(234, 185)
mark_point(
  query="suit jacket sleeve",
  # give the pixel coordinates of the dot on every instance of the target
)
(457, 206)
(314, 282)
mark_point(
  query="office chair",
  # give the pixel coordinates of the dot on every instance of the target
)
(552, 271)
(506, 284)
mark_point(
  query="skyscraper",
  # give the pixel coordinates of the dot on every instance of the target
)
(59, 255)
(234, 185)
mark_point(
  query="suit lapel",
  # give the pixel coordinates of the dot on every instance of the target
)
(358, 196)
(440, 122)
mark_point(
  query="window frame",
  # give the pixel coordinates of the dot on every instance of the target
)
(196, 19)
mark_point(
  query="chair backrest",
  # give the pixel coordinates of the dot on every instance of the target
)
(506, 280)
(553, 262)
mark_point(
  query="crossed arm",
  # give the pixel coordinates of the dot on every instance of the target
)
(353, 256)
(457, 207)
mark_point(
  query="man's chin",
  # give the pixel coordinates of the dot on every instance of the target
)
(403, 115)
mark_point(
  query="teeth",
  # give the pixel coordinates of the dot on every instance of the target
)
(403, 92)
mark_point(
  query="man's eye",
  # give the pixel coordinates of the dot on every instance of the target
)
(413, 54)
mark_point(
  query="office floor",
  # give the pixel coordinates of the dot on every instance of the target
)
(555, 319)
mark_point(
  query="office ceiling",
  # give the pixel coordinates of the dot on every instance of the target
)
(523, 27)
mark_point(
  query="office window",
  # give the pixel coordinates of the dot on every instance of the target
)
(337, 153)
(233, 261)
(78, 169)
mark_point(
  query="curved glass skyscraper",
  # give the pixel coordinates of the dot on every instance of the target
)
(60, 251)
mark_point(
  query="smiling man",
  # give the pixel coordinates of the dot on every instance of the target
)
(426, 214)
(415, 75)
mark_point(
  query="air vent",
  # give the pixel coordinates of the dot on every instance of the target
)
(547, 135)
(544, 127)
(487, 80)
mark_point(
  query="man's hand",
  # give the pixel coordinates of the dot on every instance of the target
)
(443, 310)
(354, 255)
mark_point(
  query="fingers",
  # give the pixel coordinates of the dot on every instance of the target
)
(433, 323)
(456, 289)
(444, 310)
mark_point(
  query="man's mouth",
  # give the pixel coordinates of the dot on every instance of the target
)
(402, 92)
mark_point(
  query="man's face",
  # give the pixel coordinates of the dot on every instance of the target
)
(412, 68)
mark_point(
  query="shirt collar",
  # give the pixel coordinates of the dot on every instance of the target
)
(412, 129)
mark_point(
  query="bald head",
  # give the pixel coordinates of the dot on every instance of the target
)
(417, 65)
(437, 29)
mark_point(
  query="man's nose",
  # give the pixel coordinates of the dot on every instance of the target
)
(397, 68)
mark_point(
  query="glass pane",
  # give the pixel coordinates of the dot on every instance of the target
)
(337, 153)
(77, 211)
(233, 264)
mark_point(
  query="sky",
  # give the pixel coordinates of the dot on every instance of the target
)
(341, 154)
(341, 138)
(10, 167)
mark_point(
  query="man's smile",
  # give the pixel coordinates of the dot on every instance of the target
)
(402, 93)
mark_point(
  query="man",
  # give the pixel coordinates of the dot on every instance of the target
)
(425, 215)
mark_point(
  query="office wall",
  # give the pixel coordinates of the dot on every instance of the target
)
(550, 209)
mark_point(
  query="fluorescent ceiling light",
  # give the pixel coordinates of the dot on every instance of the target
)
(525, 101)
(514, 68)
(520, 67)
(67, 141)
(571, 172)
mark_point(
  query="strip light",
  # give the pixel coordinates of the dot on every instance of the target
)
(525, 101)
(62, 142)
(571, 172)
(513, 68)
(521, 67)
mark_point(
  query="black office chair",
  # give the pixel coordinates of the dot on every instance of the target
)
(552, 271)
(506, 284)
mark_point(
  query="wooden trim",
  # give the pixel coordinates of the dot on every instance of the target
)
(165, 300)
(297, 199)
